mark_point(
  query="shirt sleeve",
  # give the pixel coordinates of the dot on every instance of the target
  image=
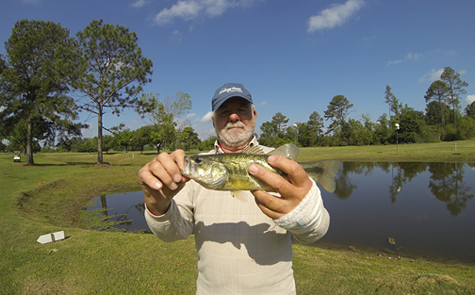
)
(177, 222)
(309, 221)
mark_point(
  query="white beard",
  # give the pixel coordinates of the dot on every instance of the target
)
(235, 135)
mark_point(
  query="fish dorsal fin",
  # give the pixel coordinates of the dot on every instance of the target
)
(288, 150)
(255, 150)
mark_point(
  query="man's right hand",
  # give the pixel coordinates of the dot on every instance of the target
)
(161, 180)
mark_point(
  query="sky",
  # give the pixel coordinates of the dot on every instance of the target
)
(293, 56)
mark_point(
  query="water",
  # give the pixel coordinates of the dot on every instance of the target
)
(420, 210)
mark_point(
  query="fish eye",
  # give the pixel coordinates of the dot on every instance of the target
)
(198, 160)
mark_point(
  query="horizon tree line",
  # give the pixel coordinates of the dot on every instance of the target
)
(48, 77)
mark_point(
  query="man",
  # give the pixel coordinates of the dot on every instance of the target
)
(244, 247)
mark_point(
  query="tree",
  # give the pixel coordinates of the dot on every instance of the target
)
(412, 124)
(269, 133)
(455, 87)
(188, 138)
(178, 105)
(337, 111)
(41, 61)
(123, 136)
(438, 91)
(470, 110)
(142, 137)
(113, 72)
(280, 122)
(381, 130)
(315, 127)
(434, 111)
(393, 102)
(164, 115)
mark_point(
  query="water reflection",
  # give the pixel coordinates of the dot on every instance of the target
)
(423, 207)
(412, 209)
(121, 211)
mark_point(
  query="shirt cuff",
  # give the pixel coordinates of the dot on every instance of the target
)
(163, 217)
(306, 214)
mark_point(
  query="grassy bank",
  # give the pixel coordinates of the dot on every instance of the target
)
(49, 197)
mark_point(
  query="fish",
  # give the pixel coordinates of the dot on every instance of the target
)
(229, 172)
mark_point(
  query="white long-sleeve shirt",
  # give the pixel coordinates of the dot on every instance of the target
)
(240, 249)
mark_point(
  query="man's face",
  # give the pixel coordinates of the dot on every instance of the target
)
(234, 122)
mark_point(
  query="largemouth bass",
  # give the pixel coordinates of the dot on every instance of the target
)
(230, 171)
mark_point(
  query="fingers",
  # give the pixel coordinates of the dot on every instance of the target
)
(297, 176)
(161, 180)
(291, 192)
(163, 170)
(270, 205)
(293, 170)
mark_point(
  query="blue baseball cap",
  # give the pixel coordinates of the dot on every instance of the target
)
(227, 91)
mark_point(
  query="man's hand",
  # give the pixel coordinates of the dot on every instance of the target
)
(292, 193)
(161, 180)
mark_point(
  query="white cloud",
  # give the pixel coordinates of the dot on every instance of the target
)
(140, 3)
(432, 76)
(334, 16)
(409, 56)
(190, 9)
(189, 116)
(89, 132)
(207, 117)
(176, 35)
(263, 103)
(470, 98)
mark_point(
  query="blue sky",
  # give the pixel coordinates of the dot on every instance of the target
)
(293, 56)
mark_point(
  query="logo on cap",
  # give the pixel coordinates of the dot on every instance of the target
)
(232, 89)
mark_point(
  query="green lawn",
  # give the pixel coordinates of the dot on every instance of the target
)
(49, 197)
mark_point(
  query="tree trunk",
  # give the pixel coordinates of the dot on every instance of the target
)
(100, 159)
(29, 143)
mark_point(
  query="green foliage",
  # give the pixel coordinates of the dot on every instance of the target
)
(455, 87)
(273, 132)
(279, 123)
(142, 137)
(393, 102)
(470, 110)
(437, 113)
(42, 60)
(164, 115)
(412, 123)
(208, 143)
(314, 129)
(337, 111)
(437, 92)
(187, 138)
(466, 128)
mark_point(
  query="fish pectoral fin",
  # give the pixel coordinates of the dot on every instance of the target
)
(240, 195)
(327, 178)
(288, 150)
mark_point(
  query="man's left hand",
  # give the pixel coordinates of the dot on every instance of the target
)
(292, 192)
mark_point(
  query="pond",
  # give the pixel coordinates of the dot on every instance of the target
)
(413, 209)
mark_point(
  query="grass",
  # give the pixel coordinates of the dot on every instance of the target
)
(48, 198)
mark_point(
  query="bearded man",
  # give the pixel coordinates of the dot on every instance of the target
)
(243, 247)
